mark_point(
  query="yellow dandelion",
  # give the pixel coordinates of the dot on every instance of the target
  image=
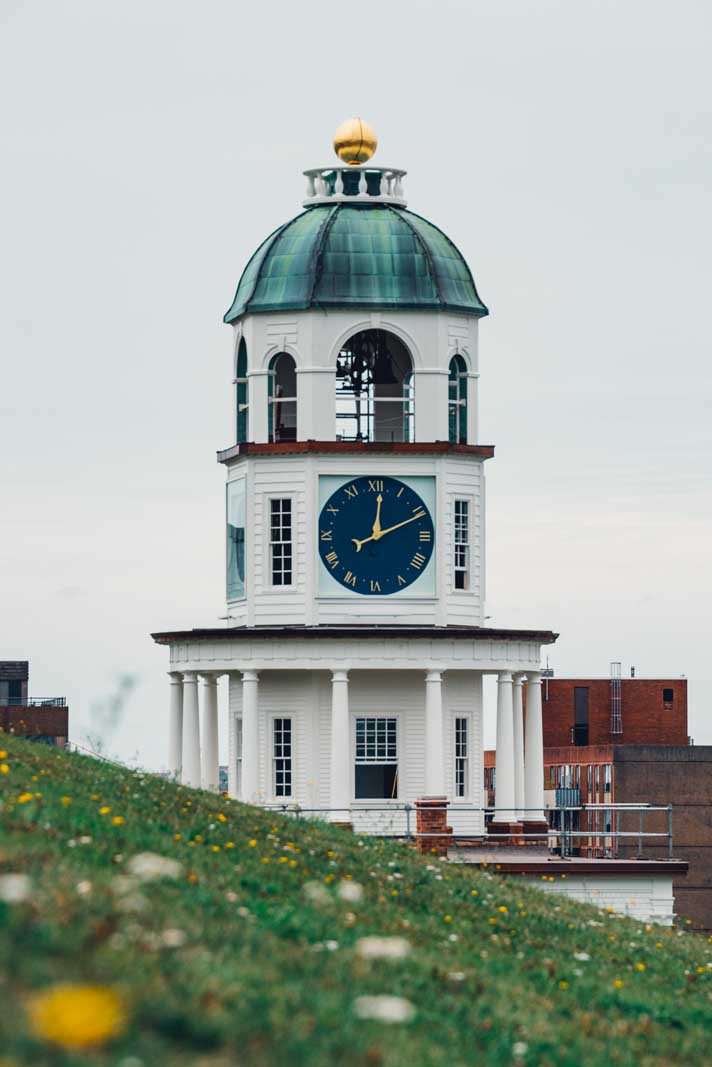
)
(522, 913)
(229, 844)
(330, 853)
(24, 798)
(177, 837)
(293, 863)
(38, 794)
(700, 970)
(503, 908)
(77, 1016)
(4, 768)
(283, 859)
(252, 843)
(216, 848)
(618, 983)
(492, 921)
(394, 892)
(447, 918)
(659, 944)
(66, 801)
(105, 810)
(118, 820)
(474, 892)
(94, 796)
(221, 817)
(198, 837)
(611, 937)
(3, 753)
(640, 966)
(563, 985)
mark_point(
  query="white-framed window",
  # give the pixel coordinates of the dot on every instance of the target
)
(376, 758)
(462, 755)
(238, 756)
(281, 543)
(282, 757)
(461, 544)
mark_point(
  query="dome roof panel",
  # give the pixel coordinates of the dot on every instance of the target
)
(346, 254)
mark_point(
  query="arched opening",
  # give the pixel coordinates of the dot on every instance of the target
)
(374, 388)
(282, 398)
(457, 401)
(242, 406)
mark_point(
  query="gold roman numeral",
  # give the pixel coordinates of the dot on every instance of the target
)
(400, 491)
(332, 559)
(417, 561)
(375, 587)
(375, 486)
(419, 512)
(350, 579)
(351, 491)
(333, 510)
(326, 535)
(424, 535)
(401, 581)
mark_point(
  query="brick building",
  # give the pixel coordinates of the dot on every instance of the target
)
(36, 718)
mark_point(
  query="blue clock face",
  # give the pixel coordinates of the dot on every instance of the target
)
(376, 536)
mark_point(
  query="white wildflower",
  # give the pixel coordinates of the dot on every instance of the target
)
(582, 956)
(384, 1009)
(83, 888)
(149, 866)
(317, 893)
(172, 937)
(85, 839)
(14, 888)
(243, 911)
(519, 1048)
(232, 897)
(453, 937)
(382, 948)
(456, 976)
(351, 892)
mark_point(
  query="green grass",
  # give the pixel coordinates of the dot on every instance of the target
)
(252, 984)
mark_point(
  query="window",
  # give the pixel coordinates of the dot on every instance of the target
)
(281, 540)
(461, 560)
(236, 492)
(282, 398)
(457, 401)
(668, 695)
(14, 691)
(607, 777)
(580, 730)
(597, 780)
(374, 388)
(376, 759)
(589, 781)
(238, 756)
(241, 386)
(461, 757)
(282, 757)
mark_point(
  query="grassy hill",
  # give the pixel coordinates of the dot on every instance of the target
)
(258, 940)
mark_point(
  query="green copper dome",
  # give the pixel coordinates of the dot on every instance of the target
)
(346, 255)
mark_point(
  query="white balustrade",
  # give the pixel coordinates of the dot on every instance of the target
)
(328, 185)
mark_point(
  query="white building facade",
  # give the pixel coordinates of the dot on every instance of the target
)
(355, 645)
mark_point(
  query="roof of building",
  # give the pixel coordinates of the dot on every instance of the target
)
(343, 255)
(362, 631)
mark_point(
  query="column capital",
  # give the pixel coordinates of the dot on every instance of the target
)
(190, 676)
(208, 678)
(434, 676)
(533, 677)
(176, 677)
(518, 678)
(250, 676)
(504, 677)
(339, 675)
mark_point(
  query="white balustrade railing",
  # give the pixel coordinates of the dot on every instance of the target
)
(343, 183)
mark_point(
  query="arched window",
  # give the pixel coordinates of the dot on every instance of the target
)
(282, 398)
(457, 401)
(374, 388)
(242, 408)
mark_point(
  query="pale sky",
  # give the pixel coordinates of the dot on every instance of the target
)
(148, 147)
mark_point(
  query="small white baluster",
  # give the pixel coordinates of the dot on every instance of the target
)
(310, 186)
(362, 186)
(320, 186)
(398, 191)
(339, 187)
(383, 186)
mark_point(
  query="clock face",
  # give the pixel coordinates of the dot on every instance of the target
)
(376, 536)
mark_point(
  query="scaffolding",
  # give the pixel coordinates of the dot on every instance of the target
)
(616, 717)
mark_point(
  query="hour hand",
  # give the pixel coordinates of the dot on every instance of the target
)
(376, 531)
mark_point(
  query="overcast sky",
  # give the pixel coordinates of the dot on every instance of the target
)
(148, 147)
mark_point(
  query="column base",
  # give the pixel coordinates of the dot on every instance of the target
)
(511, 830)
(535, 828)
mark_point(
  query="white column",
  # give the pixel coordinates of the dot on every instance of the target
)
(534, 752)
(434, 768)
(191, 731)
(175, 726)
(209, 769)
(233, 681)
(518, 732)
(340, 792)
(504, 799)
(250, 737)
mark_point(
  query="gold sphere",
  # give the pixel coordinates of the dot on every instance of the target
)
(355, 141)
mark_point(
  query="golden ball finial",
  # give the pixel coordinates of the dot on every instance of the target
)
(355, 141)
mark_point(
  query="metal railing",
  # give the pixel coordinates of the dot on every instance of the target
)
(559, 838)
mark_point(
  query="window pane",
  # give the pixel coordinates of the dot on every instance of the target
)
(236, 494)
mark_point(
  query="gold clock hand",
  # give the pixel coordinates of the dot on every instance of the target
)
(377, 521)
(388, 529)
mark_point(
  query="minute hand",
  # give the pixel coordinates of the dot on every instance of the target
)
(388, 529)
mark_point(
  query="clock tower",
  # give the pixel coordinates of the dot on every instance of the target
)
(354, 647)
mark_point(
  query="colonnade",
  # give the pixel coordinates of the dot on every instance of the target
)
(519, 790)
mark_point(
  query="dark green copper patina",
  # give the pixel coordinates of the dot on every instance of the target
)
(345, 255)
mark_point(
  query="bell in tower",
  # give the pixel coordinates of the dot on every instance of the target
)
(355, 650)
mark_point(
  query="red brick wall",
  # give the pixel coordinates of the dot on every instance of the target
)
(34, 721)
(646, 720)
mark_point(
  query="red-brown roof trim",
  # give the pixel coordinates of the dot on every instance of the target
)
(374, 633)
(388, 448)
